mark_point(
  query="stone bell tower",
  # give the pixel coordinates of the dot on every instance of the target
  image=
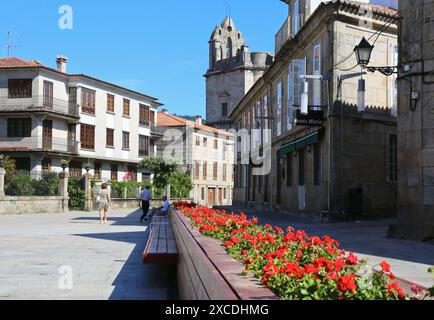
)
(233, 70)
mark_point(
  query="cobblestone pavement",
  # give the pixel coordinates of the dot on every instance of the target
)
(410, 260)
(105, 259)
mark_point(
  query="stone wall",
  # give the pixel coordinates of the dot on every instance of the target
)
(32, 205)
(416, 122)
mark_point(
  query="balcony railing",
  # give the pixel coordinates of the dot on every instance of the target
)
(38, 103)
(45, 144)
(283, 35)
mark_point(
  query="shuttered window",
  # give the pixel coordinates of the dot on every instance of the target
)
(225, 171)
(126, 108)
(88, 101)
(143, 146)
(144, 116)
(48, 94)
(196, 170)
(20, 128)
(110, 138)
(215, 171)
(87, 136)
(125, 140)
(114, 172)
(19, 88)
(205, 171)
(110, 103)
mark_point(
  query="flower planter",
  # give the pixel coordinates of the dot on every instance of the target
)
(207, 272)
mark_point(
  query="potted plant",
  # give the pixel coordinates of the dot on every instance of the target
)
(64, 164)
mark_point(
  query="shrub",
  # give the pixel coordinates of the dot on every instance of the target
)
(128, 189)
(292, 264)
(48, 185)
(20, 185)
(181, 185)
(76, 193)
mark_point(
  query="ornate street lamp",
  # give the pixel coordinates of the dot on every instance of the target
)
(363, 52)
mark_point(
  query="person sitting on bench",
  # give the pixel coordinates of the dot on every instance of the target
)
(164, 209)
(161, 211)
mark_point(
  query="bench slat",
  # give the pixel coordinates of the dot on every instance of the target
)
(161, 245)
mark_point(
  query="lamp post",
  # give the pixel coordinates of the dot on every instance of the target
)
(363, 53)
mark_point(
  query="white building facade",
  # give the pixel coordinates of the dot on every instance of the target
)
(48, 116)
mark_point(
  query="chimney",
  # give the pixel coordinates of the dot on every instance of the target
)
(61, 62)
(164, 111)
(199, 120)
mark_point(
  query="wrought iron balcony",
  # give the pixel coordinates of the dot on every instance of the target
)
(38, 104)
(41, 144)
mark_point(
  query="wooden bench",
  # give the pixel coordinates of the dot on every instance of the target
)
(161, 245)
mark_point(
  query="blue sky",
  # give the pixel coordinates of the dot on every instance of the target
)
(157, 47)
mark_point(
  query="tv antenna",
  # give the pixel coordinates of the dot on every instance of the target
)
(9, 45)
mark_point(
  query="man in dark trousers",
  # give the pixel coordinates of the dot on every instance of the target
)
(145, 196)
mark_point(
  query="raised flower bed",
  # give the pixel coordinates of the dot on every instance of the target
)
(292, 264)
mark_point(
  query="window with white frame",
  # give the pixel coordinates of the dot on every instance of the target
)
(279, 109)
(266, 111)
(296, 16)
(298, 69)
(394, 91)
(316, 62)
(290, 97)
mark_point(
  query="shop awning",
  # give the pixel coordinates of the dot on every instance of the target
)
(299, 144)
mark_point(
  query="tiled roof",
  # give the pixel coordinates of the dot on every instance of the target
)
(10, 63)
(169, 120)
(18, 63)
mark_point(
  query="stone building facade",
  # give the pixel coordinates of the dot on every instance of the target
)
(345, 161)
(416, 121)
(205, 153)
(48, 115)
(232, 72)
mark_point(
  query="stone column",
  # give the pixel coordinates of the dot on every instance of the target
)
(88, 192)
(168, 191)
(2, 182)
(63, 190)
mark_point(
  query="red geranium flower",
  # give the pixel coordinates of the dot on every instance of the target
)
(347, 283)
(352, 259)
(385, 266)
(229, 244)
(394, 288)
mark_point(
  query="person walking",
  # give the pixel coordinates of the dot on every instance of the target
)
(145, 196)
(104, 202)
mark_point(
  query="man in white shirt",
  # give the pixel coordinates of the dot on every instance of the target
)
(145, 196)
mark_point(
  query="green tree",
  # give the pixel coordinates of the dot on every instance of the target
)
(181, 184)
(161, 169)
(9, 165)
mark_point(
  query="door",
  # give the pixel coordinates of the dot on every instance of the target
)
(302, 180)
(47, 134)
(72, 137)
(48, 94)
(211, 196)
(279, 181)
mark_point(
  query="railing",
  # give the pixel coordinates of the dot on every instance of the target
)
(38, 144)
(39, 103)
(283, 35)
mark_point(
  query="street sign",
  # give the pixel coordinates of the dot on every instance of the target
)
(314, 117)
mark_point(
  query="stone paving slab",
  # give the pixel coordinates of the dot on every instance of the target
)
(409, 260)
(106, 260)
